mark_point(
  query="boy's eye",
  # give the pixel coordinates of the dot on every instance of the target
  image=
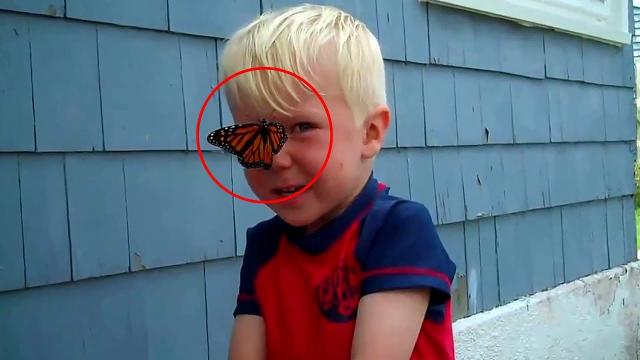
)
(302, 127)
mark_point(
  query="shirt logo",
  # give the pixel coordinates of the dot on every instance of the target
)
(338, 294)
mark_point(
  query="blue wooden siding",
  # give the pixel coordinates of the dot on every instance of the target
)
(519, 140)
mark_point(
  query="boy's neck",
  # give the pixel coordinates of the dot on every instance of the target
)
(339, 209)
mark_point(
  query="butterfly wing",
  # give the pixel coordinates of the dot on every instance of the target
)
(277, 137)
(254, 144)
(259, 154)
(235, 139)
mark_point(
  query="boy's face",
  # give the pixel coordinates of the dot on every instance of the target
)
(354, 147)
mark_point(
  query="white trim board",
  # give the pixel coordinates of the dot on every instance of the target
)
(602, 20)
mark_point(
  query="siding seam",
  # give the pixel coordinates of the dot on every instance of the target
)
(168, 18)
(24, 257)
(206, 307)
(495, 246)
(184, 106)
(104, 148)
(66, 197)
(126, 213)
(33, 99)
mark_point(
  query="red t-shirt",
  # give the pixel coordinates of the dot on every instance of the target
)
(307, 288)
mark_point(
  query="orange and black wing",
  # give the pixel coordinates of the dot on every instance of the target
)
(254, 144)
(270, 141)
(235, 139)
(277, 136)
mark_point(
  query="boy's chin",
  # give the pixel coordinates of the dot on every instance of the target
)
(296, 217)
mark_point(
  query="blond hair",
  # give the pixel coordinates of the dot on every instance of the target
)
(292, 39)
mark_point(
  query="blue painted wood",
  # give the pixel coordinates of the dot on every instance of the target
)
(142, 101)
(65, 86)
(530, 104)
(521, 49)
(391, 168)
(529, 252)
(440, 106)
(391, 29)
(97, 215)
(38, 324)
(194, 17)
(536, 175)
(245, 214)
(44, 219)
(390, 139)
(514, 189)
(629, 219)
(43, 7)
(149, 14)
(489, 263)
(495, 105)
(476, 167)
(482, 42)
(482, 271)
(569, 101)
(563, 56)
(619, 110)
(543, 234)
(483, 108)
(16, 108)
(409, 104)
(557, 245)
(603, 63)
(596, 216)
(11, 254)
(628, 65)
(514, 262)
(590, 171)
(467, 44)
(619, 169)
(450, 201)
(453, 239)
(591, 114)
(474, 267)
(416, 31)
(468, 110)
(584, 239)
(562, 174)
(226, 117)
(222, 290)
(176, 213)
(614, 123)
(421, 180)
(615, 232)
(115, 317)
(199, 78)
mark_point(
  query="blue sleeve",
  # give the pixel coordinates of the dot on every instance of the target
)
(247, 303)
(406, 252)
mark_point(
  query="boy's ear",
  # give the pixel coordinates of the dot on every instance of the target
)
(375, 130)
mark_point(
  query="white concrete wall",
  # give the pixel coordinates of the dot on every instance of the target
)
(597, 317)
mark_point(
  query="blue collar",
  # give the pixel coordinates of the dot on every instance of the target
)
(329, 233)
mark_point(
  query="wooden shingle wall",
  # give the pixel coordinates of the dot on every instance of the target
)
(115, 244)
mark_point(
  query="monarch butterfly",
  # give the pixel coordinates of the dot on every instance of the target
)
(254, 143)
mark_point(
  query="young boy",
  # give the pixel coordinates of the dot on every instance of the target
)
(344, 270)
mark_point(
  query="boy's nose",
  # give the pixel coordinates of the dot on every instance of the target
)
(282, 160)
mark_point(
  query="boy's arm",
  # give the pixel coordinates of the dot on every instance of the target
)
(388, 324)
(248, 338)
(406, 281)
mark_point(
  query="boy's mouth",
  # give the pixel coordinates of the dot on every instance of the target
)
(287, 190)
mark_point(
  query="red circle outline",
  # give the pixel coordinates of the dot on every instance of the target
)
(284, 198)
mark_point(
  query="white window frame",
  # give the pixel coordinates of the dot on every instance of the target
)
(602, 20)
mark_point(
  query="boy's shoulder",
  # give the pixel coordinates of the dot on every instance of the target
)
(389, 211)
